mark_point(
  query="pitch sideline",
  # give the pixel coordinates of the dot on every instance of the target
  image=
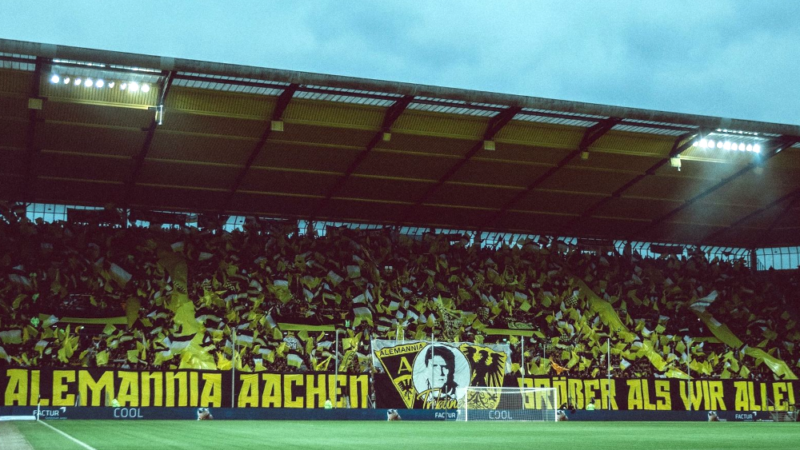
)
(81, 443)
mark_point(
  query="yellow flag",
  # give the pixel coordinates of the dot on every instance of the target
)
(322, 365)
(744, 372)
(573, 360)
(223, 363)
(777, 366)
(558, 368)
(294, 360)
(185, 317)
(132, 310)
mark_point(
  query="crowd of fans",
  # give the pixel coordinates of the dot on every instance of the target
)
(210, 299)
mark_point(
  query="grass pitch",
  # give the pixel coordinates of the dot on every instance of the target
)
(152, 435)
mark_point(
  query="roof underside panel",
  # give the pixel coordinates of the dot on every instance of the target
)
(75, 191)
(303, 157)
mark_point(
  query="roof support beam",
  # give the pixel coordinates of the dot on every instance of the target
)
(792, 197)
(163, 91)
(390, 117)
(682, 143)
(774, 147)
(277, 114)
(495, 125)
(31, 152)
(590, 136)
(138, 160)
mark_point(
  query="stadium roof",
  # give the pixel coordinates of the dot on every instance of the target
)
(211, 137)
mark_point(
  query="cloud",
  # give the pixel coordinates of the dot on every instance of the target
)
(730, 58)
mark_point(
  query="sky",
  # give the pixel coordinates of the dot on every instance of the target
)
(726, 58)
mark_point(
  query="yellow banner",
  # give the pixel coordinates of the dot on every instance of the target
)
(180, 388)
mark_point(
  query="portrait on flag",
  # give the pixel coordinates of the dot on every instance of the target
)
(439, 371)
(432, 374)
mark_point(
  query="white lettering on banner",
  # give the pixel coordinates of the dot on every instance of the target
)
(49, 413)
(500, 415)
(128, 413)
(445, 415)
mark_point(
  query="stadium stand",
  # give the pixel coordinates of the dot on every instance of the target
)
(217, 286)
(224, 217)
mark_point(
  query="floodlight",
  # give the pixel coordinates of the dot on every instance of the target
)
(742, 147)
(720, 144)
(749, 147)
(726, 145)
(757, 148)
(100, 83)
(123, 86)
(66, 80)
(145, 88)
(711, 143)
(88, 82)
(78, 81)
(134, 86)
(111, 84)
(55, 79)
(703, 143)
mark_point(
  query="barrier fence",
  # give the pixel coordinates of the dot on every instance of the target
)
(184, 413)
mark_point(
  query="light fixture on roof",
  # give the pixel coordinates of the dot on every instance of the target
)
(88, 82)
(55, 79)
(111, 84)
(123, 86)
(78, 81)
(99, 83)
(67, 80)
(134, 86)
(145, 88)
(728, 145)
(675, 162)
